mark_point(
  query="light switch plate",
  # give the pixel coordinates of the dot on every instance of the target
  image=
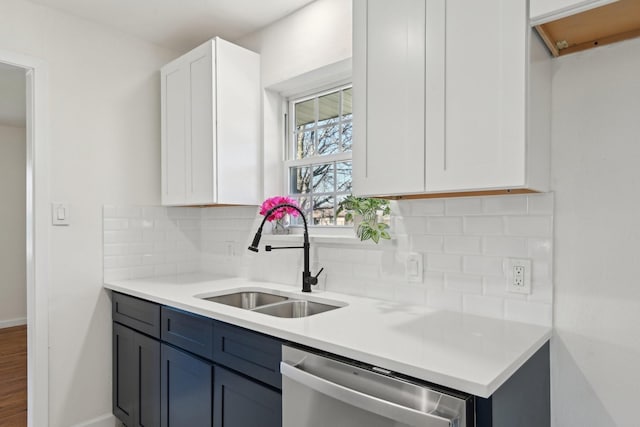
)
(414, 268)
(60, 213)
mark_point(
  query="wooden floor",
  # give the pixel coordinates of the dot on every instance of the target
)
(13, 377)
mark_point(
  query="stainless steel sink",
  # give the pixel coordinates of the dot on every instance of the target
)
(247, 300)
(272, 304)
(295, 308)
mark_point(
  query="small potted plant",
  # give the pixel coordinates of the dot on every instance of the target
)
(366, 214)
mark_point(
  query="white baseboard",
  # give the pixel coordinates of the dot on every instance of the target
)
(107, 420)
(13, 322)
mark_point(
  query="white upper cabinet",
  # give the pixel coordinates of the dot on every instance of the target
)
(542, 11)
(210, 109)
(449, 96)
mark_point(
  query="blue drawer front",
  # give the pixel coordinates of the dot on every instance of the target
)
(251, 353)
(140, 315)
(188, 331)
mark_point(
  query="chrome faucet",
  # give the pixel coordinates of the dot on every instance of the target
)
(307, 278)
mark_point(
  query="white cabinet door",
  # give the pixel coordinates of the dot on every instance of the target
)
(389, 96)
(483, 143)
(238, 155)
(173, 111)
(211, 126)
(200, 130)
(445, 98)
(541, 11)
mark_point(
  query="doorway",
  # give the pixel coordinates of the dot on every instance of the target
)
(35, 232)
(13, 262)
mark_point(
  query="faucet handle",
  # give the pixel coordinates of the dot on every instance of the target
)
(314, 279)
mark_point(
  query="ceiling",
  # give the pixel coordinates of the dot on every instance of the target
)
(12, 96)
(180, 25)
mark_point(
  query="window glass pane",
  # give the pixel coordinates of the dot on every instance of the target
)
(300, 180)
(329, 140)
(329, 108)
(323, 178)
(323, 213)
(346, 103)
(346, 136)
(305, 113)
(340, 218)
(343, 177)
(305, 144)
(305, 204)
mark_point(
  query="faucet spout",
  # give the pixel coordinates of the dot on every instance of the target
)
(307, 279)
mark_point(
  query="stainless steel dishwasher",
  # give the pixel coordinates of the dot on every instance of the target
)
(320, 391)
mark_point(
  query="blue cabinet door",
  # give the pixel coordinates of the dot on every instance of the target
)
(186, 390)
(136, 377)
(241, 402)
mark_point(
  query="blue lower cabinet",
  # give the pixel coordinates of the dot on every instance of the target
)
(241, 402)
(136, 383)
(186, 389)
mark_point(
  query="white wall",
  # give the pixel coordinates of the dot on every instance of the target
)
(596, 177)
(104, 136)
(316, 35)
(13, 281)
(307, 49)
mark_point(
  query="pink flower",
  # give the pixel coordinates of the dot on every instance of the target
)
(272, 202)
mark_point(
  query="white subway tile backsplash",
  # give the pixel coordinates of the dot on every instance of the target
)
(426, 207)
(122, 236)
(410, 224)
(539, 249)
(542, 292)
(463, 283)
(116, 224)
(529, 226)
(528, 312)
(433, 280)
(482, 305)
(483, 265)
(505, 205)
(464, 243)
(463, 206)
(483, 225)
(444, 225)
(444, 300)
(541, 204)
(444, 262)
(506, 246)
(427, 243)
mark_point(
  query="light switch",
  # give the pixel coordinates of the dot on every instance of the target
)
(60, 213)
(413, 268)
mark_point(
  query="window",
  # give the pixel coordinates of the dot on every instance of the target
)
(318, 164)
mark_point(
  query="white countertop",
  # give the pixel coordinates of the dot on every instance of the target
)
(468, 353)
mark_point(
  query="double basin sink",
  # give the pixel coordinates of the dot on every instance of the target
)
(272, 304)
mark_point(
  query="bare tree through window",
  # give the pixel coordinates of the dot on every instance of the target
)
(320, 151)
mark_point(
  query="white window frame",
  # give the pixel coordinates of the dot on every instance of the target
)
(290, 161)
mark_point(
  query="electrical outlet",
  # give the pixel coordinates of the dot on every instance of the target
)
(518, 272)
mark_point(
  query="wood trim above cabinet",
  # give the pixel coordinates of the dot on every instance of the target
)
(459, 194)
(603, 25)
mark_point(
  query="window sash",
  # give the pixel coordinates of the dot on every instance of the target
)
(290, 160)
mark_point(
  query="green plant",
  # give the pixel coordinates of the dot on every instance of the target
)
(370, 210)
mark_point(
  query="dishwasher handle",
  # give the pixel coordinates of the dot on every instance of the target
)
(365, 401)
